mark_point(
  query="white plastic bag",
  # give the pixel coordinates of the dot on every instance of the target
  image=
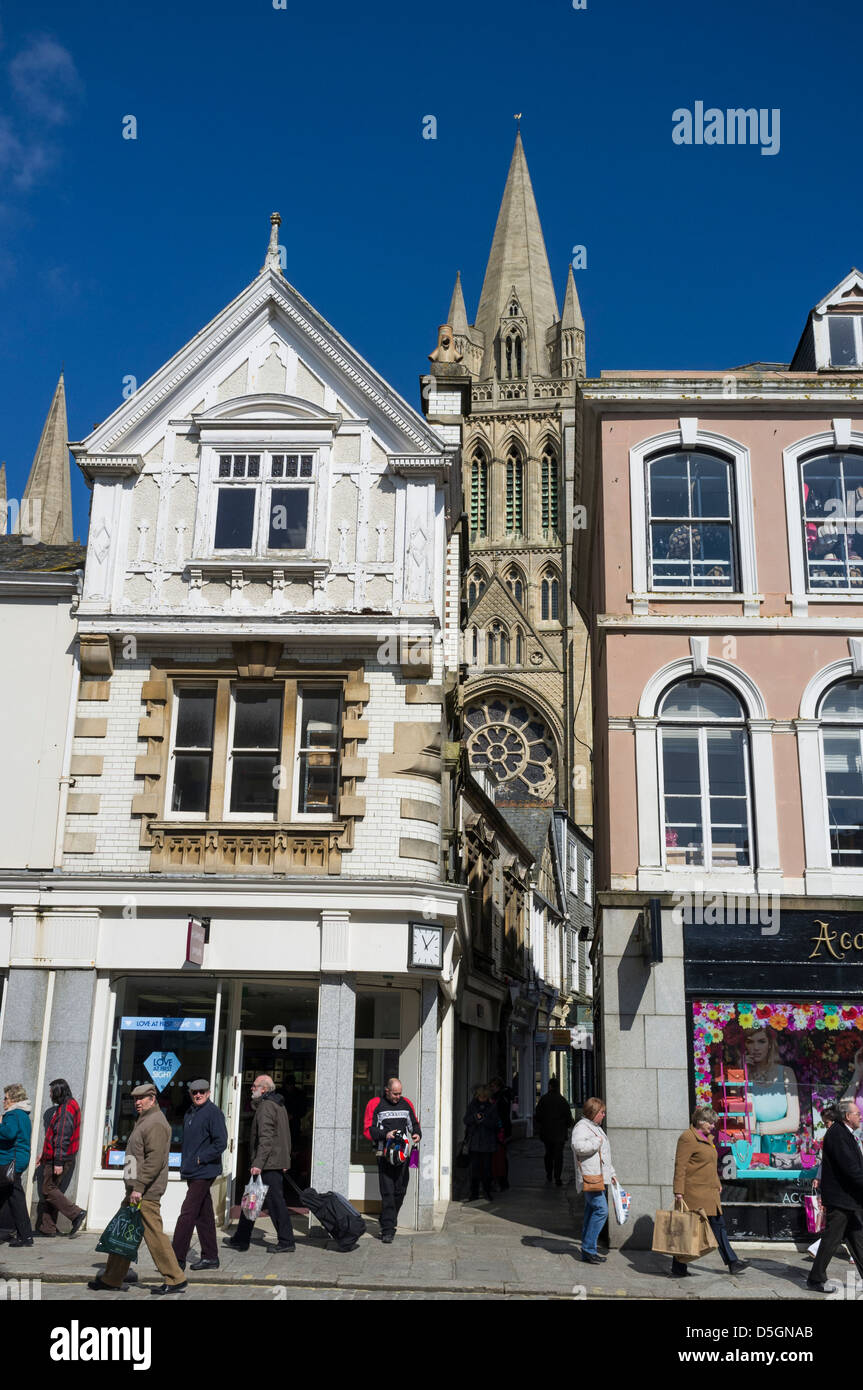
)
(253, 1198)
(622, 1203)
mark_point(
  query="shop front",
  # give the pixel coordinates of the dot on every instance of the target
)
(776, 1034)
(171, 1029)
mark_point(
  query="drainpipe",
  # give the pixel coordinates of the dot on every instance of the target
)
(65, 780)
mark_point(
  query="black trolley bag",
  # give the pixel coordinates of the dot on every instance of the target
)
(340, 1220)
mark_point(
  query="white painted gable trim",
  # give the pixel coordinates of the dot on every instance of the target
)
(270, 293)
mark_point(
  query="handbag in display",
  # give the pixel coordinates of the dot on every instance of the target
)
(759, 1161)
(778, 1144)
(784, 1161)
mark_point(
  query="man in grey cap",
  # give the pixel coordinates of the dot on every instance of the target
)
(146, 1177)
(205, 1138)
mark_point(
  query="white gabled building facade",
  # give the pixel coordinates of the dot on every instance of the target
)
(266, 634)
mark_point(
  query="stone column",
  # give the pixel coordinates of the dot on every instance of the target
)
(428, 1105)
(331, 1142)
(26, 999)
(67, 1052)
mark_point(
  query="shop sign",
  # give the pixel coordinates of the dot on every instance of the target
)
(162, 1067)
(560, 1037)
(813, 952)
(117, 1159)
(131, 1024)
(197, 935)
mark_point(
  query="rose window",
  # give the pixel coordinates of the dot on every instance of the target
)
(510, 741)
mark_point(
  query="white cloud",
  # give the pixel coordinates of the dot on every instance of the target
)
(45, 80)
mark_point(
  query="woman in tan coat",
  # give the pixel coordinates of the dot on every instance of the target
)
(696, 1182)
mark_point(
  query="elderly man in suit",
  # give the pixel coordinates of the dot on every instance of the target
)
(842, 1194)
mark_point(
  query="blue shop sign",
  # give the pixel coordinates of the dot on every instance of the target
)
(117, 1158)
(130, 1024)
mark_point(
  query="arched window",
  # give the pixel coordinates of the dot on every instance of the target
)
(549, 488)
(514, 310)
(497, 645)
(476, 586)
(519, 647)
(842, 736)
(512, 354)
(832, 496)
(704, 769)
(474, 645)
(514, 579)
(478, 495)
(550, 597)
(514, 491)
(690, 504)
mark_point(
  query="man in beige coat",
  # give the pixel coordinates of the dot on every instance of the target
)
(146, 1177)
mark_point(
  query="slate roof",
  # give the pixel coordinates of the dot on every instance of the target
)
(15, 555)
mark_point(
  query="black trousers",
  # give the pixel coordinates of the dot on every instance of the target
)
(554, 1158)
(842, 1224)
(277, 1208)
(393, 1184)
(197, 1211)
(717, 1226)
(13, 1209)
(480, 1172)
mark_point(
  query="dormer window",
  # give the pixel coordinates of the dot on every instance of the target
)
(846, 339)
(263, 502)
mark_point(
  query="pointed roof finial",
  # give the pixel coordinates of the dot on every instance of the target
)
(46, 506)
(274, 255)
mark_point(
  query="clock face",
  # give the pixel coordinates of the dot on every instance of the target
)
(426, 945)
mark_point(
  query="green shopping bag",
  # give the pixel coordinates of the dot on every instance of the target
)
(123, 1233)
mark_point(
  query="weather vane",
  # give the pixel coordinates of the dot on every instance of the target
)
(518, 116)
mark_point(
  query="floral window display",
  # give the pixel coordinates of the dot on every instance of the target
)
(788, 1058)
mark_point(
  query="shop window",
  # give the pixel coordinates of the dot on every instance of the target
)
(377, 1050)
(768, 1068)
(167, 1033)
(842, 707)
(690, 505)
(832, 486)
(704, 785)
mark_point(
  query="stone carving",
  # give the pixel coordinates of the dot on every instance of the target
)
(344, 530)
(143, 529)
(381, 529)
(417, 574)
(446, 350)
(100, 543)
(181, 528)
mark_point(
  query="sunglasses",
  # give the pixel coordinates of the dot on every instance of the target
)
(200, 1093)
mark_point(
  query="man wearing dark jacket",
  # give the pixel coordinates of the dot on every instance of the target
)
(553, 1121)
(205, 1138)
(270, 1147)
(57, 1162)
(393, 1117)
(842, 1194)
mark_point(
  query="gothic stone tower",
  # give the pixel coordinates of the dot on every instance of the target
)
(511, 378)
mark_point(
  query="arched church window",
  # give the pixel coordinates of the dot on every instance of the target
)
(478, 495)
(550, 485)
(550, 596)
(514, 579)
(514, 491)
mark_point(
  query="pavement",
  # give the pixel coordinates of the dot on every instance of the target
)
(522, 1244)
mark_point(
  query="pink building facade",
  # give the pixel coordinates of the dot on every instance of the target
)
(719, 563)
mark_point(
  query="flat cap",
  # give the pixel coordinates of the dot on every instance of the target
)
(147, 1089)
(202, 1084)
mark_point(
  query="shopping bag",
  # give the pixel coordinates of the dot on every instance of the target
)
(252, 1202)
(622, 1201)
(815, 1216)
(123, 1233)
(683, 1233)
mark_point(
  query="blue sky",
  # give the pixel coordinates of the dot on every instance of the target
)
(114, 252)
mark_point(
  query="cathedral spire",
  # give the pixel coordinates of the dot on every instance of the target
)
(572, 317)
(46, 506)
(572, 360)
(457, 316)
(518, 261)
(3, 517)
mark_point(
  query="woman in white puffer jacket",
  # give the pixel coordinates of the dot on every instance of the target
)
(593, 1169)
